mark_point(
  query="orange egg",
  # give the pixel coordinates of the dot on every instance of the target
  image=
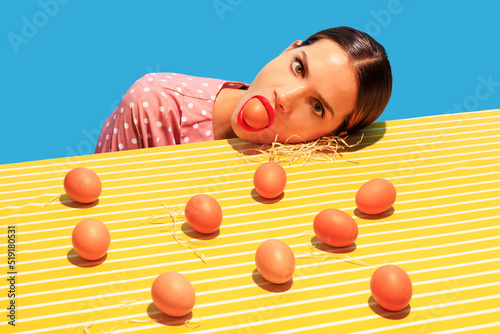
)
(82, 185)
(255, 114)
(375, 196)
(91, 239)
(275, 261)
(173, 294)
(269, 180)
(335, 228)
(203, 213)
(391, 287)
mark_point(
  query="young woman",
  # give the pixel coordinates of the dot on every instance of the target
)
(337, 81)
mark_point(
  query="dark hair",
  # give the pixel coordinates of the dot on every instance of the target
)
(373, 71)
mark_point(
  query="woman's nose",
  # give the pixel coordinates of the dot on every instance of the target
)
(286, 98)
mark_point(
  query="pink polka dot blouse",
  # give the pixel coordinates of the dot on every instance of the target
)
(163, 109)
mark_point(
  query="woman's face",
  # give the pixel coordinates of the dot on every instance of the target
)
(311, 88)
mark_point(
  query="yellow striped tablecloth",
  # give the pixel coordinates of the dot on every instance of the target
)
(444, 230)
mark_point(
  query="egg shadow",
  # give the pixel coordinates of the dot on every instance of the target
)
(391, 315)
(65, 200)
(187, 230)
(156, 315)
(256, 197)
(268, 286)
(358, 213)
(78, 261)
(318, 244)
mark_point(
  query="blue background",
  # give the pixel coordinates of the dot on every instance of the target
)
(66, 64)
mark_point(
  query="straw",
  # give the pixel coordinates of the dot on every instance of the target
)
(174, 212)
(325, 148)
(86, 330)
(126, 302)
(52, 200)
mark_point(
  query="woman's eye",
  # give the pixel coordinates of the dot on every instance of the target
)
(318, 108)
(298, 67)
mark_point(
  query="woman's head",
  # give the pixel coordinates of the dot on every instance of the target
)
(373, 72)
(338, 79)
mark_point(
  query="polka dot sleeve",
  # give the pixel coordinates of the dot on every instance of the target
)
(161, 109)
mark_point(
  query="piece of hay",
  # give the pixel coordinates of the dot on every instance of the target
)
(126, 302)
(176, 213)
(52, 200)
(193, 323)
(86, 330)
(138, 321)
(188, 243)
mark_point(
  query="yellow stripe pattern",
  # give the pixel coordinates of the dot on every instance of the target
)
(444, 230)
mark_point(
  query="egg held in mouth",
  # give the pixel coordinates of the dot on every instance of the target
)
(256, 114)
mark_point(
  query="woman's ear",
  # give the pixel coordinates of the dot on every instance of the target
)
(293, 45)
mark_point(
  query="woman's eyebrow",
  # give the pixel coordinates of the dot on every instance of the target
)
(306, 71)
(323, 102)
